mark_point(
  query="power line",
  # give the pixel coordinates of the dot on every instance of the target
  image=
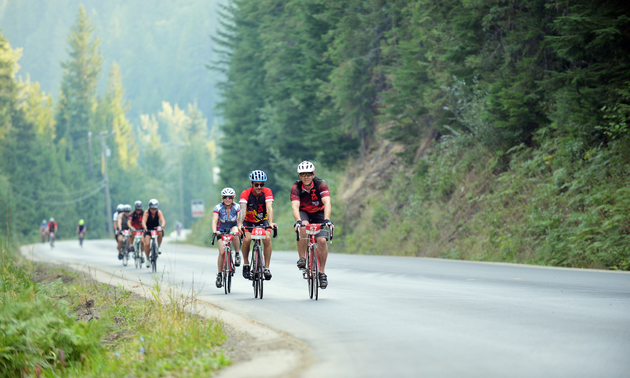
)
(61, 203)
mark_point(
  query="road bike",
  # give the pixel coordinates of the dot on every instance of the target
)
(311, 271)
(256, 272)
(51, 237)
(228, 261)
(137, 248)
(153, 248)
(81, 239)
(125, 246)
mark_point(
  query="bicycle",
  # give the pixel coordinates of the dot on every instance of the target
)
(311, 272)
(137, 248)
(228, 261)
(258, 258)
(81, 239)
(125, 246)
(153, 247)
(51, 236)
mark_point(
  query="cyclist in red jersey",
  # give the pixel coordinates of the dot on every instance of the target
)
(52, 229)
(310, 203)
(134, 221)
(256, 210)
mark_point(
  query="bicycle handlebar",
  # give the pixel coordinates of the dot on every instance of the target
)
(330, 230)
(214, 234)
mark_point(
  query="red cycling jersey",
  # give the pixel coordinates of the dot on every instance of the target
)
(256, 209)
(136, 219)
(310, 200)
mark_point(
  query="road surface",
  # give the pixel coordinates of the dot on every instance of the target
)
(410, 317)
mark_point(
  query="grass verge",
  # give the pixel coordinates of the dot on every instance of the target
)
(56, 323)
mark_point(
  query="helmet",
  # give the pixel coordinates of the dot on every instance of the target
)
(43, 220)
(228, 192)
(120, 207)
(127, 207)
(258, 176)
(306, 166)
(154, 204)
(138, 205)
(52, 219)
(81, 222)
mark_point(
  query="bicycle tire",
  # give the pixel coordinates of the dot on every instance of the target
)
(226, 270)
(261, 275)
(309, 266)
(81, 240)
(254, 273)
(315, 273)
(125, 252)
(153, 256)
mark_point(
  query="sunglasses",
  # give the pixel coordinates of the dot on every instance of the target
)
(259, 184)
(228, 197)
(306, 174)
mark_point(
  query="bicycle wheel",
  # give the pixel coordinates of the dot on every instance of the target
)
(261, 274)
(125, 252)
(153, 256)
(309, 267)
(315, 273)
(81, 240)
(254, 268)
(226, 270)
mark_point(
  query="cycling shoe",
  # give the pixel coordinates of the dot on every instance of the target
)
(323, 280)
(267, 274)
(301, 263)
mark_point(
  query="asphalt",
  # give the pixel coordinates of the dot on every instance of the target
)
(399, 317)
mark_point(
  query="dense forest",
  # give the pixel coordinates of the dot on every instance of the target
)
(54, 155)
(160, 47)
(512, 117)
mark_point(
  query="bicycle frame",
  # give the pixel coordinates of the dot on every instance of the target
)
(125, 246)
(311, 273)
(258, 258)
(154, 250)
(137, 246)
(228, 261)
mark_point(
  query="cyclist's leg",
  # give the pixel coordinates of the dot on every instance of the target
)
(247, 239)
(147, 244)
(131, 239)
(236, 241)
(267, 248)
(221, 257)
(322, 249)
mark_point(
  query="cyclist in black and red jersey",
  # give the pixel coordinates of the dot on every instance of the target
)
(134, 220)
(310, 202)
(52, 229)
(153, 219)
(256, 210)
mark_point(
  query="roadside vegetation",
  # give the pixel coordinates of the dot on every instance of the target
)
(56, 323)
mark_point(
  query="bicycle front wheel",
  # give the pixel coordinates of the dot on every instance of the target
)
(154, 254)
(125, 252)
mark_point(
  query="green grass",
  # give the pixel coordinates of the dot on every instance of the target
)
(125, 335)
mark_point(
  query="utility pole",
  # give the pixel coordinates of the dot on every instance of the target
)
(90, 154)
(181, 188)
(108, 202)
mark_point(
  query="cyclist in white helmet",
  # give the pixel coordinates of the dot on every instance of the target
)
(224, 219)
(153, 219)
(257, 205)
(310, 202)
(117, 236)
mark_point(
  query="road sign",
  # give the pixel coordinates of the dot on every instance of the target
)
(197, 208)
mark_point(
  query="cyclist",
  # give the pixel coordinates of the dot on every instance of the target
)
(224, 219)
(52, 229)
(134, 222)
(258, 204)
(310, 202)
(153, 219)
(43, 229)
(117, 236)
(81, 229)
(123, 224)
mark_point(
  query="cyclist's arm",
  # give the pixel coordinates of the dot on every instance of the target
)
(119, 221)
(295, 207)
(162, 220)
(215, 219)
(269, 205)
(129, 223)
(327, 207)
(145, 217)
(241, 214)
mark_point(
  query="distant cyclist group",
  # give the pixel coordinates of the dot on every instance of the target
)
(310, 203)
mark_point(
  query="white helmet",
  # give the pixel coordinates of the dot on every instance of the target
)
(306, 166)
(227, 192)
(52, 219)
(154, 204)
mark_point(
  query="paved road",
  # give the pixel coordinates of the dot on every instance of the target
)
(409, 317)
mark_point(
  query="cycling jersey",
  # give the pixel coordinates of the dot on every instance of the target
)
(124, 225)
(256, 210)
(136, 219)
(52, 226)
(81, 228)
(115, 217)
(310, 200)
(153, 221)
(228, 220)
